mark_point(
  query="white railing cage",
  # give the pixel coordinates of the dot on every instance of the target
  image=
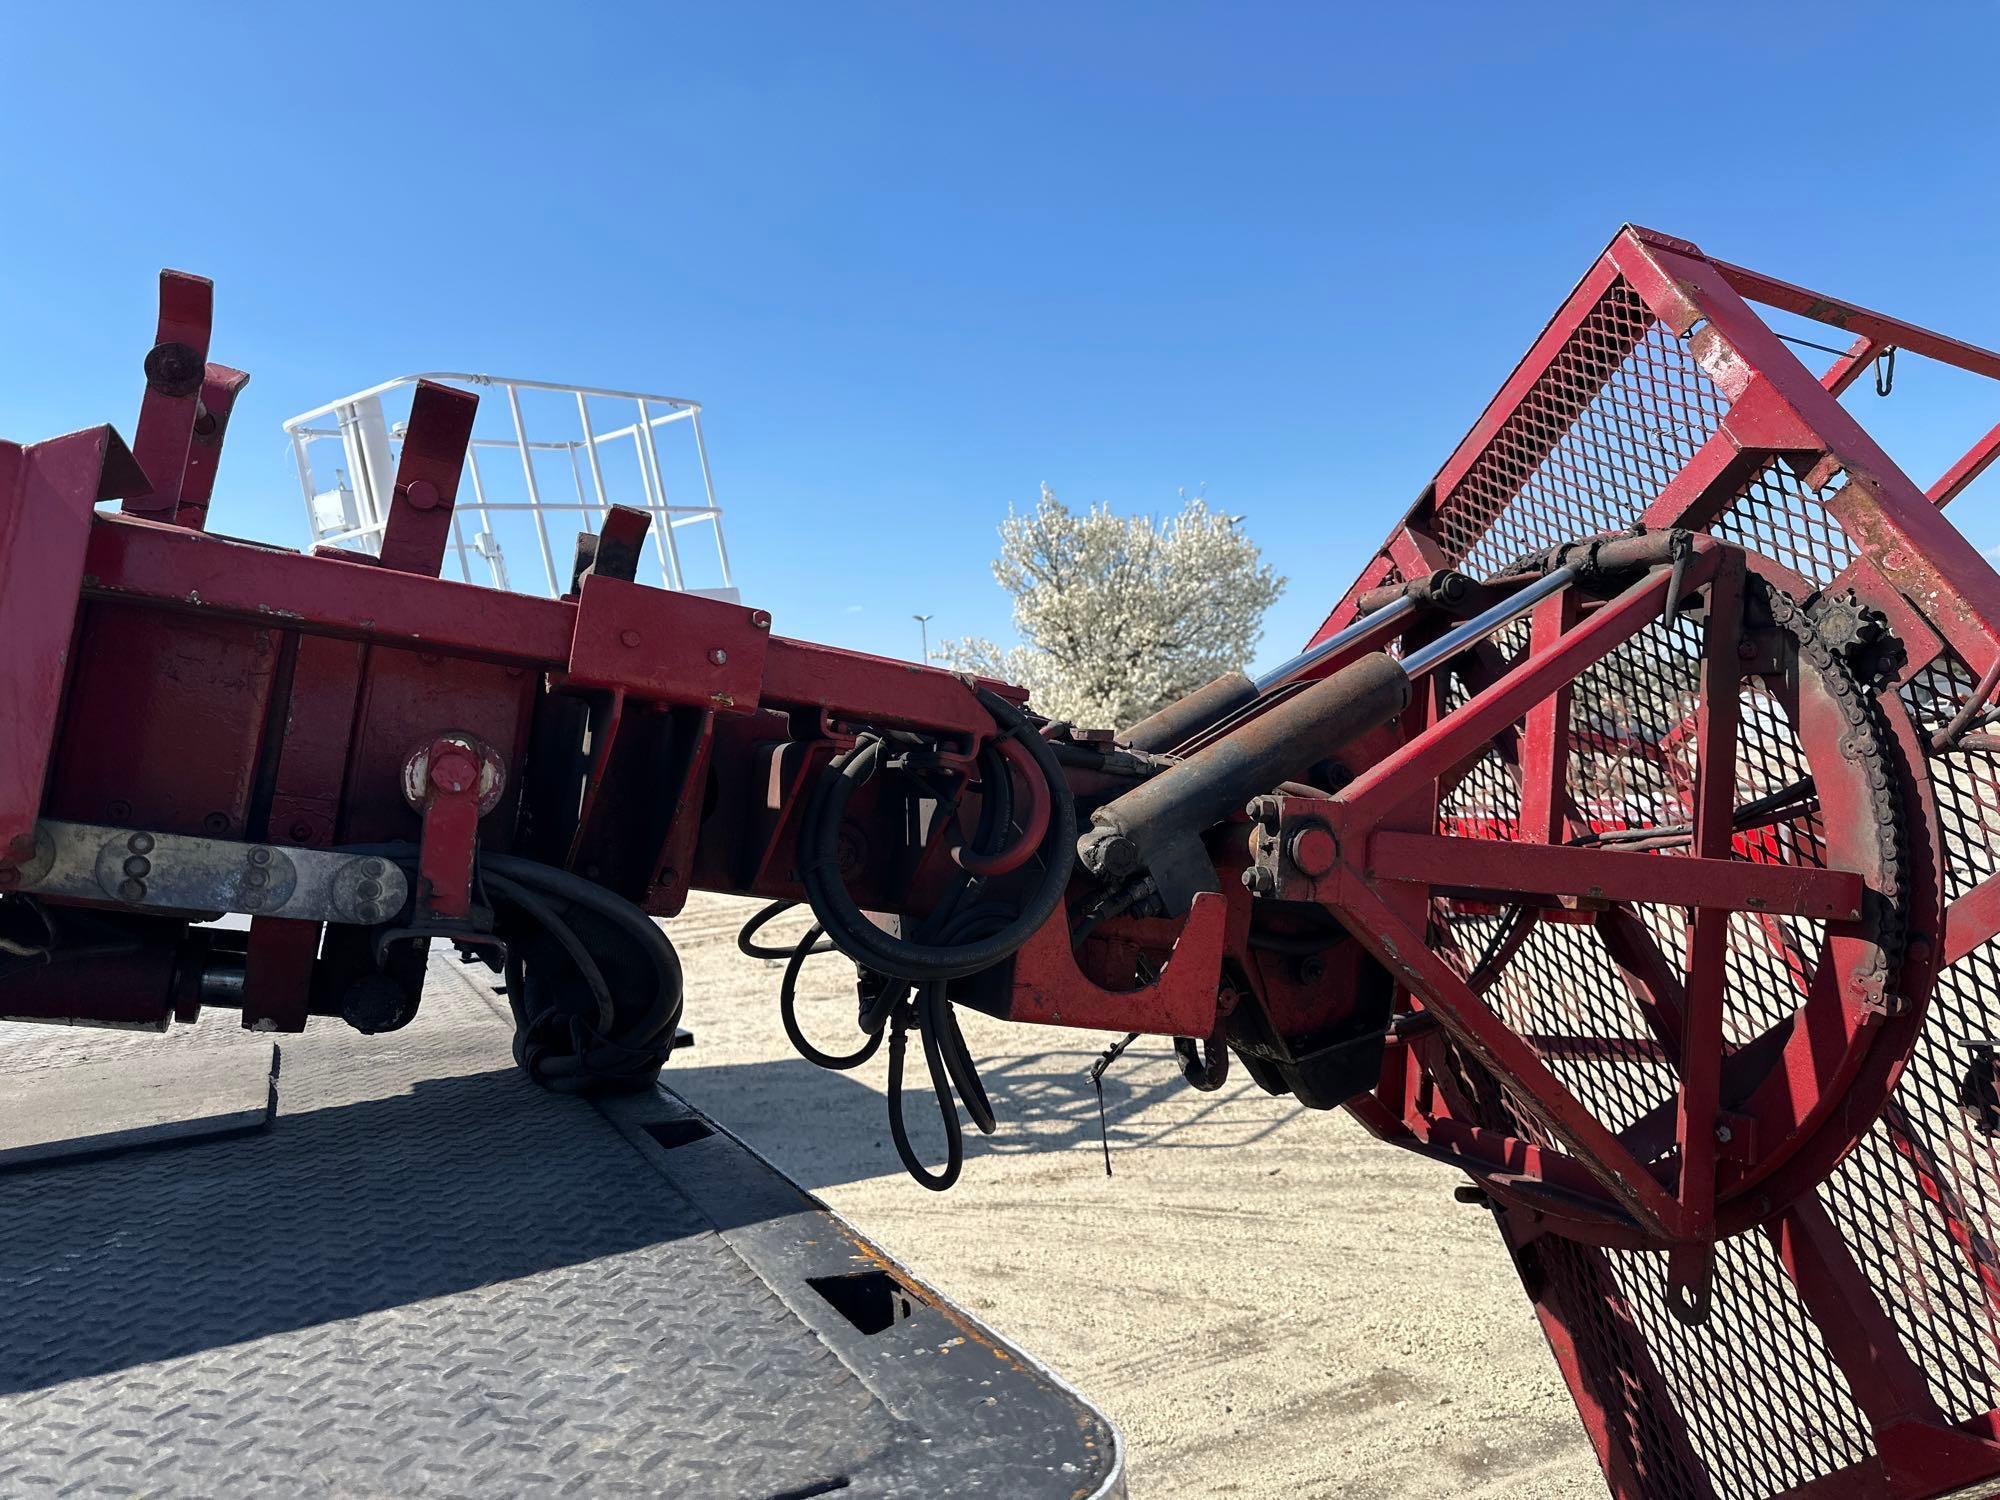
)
(546, 461)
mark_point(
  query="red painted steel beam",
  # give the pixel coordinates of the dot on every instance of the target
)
(418, 528)
(1409, 958)
(1971, 921)
(1501, 866)
(1851, 317)
(1702, 1020)
(175, 368)
(220, 387)
(277, 973)
(134, 559)
(47, 495)
(1545, 737)
(1467, 729)
(1977, 460)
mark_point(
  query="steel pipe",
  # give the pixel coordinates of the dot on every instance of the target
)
(1313, 655)
(1482, 625)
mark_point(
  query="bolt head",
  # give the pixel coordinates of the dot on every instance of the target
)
(131, 890)
(138, 867)
(300, 832)
(453, 771)
(140, 843)
(628, 637)
(718, 656)
(1313, 849)
(421, 494)
(260, 855)
(174, 369)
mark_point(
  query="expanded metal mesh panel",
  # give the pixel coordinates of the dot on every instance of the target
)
(1777, 517)
(1576, 1282)
(1618, 412)
(1632, 765)
(1764, 1405)
(1562, 992)
(1750, 1404)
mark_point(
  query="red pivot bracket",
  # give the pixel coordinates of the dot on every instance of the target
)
(454, 781)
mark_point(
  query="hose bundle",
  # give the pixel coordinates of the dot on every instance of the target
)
(916, 959)
(905, 976)
(560, 1041)
(593, 982)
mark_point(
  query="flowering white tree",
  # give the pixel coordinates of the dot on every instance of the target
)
(1120, 615)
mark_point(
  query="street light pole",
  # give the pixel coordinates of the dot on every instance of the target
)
(924, 635)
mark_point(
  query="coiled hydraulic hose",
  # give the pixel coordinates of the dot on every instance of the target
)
(559, 1045)
(907, 958)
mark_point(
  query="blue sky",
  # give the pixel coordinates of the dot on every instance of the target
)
(917, 259)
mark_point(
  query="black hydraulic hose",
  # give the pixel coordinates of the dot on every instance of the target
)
(546, 917)
(940, 1026)
(957, 937)
(788, 1013)
(1205, 1066)
(613, 908)
(905, 958)
(750, 948)
(899, 1132)
(629, 1046)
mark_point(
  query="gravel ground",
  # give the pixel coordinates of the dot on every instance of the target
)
(1266, 1301)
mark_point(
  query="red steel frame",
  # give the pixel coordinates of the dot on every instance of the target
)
(172, 680)
(1943, 601)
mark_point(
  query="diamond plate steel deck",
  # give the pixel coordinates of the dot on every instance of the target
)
(431, 1278)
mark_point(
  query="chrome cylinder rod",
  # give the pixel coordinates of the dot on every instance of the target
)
(1482, 625)
(1313, 655)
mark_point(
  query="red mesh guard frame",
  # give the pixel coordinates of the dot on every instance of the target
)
(1854, 1346)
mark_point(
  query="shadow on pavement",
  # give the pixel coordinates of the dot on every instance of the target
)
(332, 1213)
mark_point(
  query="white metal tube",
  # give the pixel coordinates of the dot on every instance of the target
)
(576, 474)
(461, 377)
(306, 485)
(458, 542)
(708, 488)
(655, 510)
(660, 485)
(534, 492)
(485, 517)
(590, 447)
